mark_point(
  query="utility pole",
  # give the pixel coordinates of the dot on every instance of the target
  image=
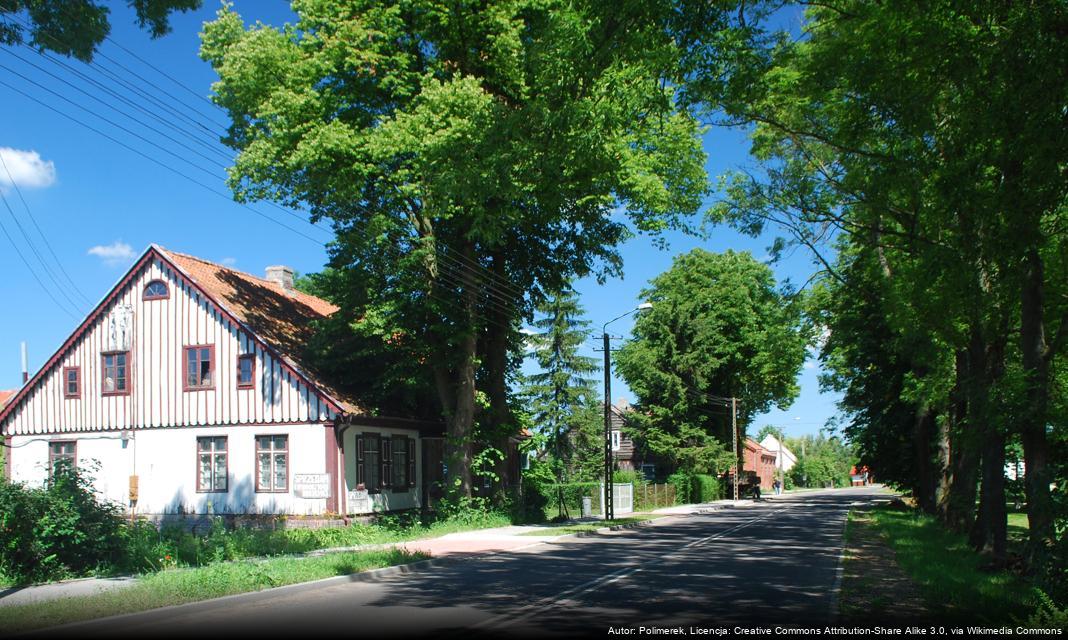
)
(609, 511)
(734, 437)
(609, 507)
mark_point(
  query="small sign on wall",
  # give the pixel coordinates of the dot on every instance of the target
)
(359, 501)
(133, 488)
(311, 485)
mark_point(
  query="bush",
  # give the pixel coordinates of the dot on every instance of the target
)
(1047, 614)
(704, 488)
(683, 483)
(58, 531)
(529, 506)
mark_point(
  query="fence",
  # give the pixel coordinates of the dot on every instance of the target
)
(622, 497)
(655, 496)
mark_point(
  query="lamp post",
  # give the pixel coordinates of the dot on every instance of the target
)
(607, 506)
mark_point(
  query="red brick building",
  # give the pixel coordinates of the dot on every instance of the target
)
(760, 460)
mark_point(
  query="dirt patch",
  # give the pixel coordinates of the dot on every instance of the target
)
(874, 588)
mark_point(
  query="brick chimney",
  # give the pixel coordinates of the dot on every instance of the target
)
(283, 276)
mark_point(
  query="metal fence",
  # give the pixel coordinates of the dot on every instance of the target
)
(655, 496)
(622, 497)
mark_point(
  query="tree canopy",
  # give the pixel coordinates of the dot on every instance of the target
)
(925, 145)
(470, 157)
(718, 328)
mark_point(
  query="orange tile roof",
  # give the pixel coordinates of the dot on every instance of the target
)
(282, 320)
(6, 395)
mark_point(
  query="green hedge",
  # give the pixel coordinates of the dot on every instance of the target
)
(705, 488)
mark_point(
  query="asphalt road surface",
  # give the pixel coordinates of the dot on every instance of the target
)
(772, 563)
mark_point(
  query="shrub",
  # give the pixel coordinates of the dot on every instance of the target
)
(1047, 614)
(61, 530)
(704, 488)
(683, 483)
(529, 506)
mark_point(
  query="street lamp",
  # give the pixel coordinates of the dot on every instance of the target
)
(607, 506)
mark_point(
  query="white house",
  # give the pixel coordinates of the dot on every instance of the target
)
(784, 458)
(186, 388)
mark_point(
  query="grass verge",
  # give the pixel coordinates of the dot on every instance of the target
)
(566, 529)
(180, 586)
(949, 574)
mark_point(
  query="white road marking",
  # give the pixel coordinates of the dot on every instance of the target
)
(566, 597)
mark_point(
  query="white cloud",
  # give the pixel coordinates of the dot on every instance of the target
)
(26, 169)
(113, 254)
(228, 262)
(809, 364)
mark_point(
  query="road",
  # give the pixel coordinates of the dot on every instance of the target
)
(773, 563)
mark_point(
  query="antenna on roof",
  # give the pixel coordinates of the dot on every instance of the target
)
(25, 367)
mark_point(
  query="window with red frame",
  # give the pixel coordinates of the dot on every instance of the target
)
(156, 290)
(246, 371)
(116, 373)
(199, 367)
(72, 382)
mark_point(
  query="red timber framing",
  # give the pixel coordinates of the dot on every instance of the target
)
(156, 253)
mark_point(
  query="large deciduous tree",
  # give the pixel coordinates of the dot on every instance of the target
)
(470, 155)
(930, 140)
(718, 328)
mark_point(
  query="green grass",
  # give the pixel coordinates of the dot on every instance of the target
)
(252, 543)
(179, 586)
(949, 573)
(566, 529)
(188, 550)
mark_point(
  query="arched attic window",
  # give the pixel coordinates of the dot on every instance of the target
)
(156, 290)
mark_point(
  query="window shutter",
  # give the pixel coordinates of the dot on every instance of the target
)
(387, 461)
(361, 476)
(411, 462)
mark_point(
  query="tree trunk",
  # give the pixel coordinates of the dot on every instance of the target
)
(496, 349)
(988, 533)
(923, 434)
(957, 486)
(459, 445)
(1033, 420)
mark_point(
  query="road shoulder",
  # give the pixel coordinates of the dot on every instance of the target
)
(874, 586)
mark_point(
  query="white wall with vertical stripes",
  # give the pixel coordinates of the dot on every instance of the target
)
(160, 331)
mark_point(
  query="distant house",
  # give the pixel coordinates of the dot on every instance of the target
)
(188, 384)
(630, 455)
(859, 476)
(784, 458)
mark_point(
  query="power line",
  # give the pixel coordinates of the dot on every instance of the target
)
(121, 80)
(33, 248)
(155, 161)
(206, 139)
(494, 285)
(29, 267)
(489, 283)
(150, 127)
(47, 244)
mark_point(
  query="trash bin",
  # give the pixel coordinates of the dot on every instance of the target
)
(587, 507)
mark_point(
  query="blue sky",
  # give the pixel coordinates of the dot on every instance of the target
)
(99, 204)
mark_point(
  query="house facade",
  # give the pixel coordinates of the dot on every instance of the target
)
(184, 391)
(630, 455)
(784, 458)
